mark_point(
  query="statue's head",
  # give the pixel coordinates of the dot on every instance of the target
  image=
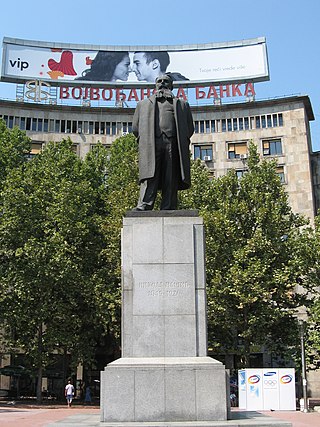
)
(164, 82)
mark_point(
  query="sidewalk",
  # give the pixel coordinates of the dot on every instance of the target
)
(297, 418)
(41, 416)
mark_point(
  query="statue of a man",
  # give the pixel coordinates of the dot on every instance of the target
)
(163, 125)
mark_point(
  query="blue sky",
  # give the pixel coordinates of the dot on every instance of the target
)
(291, 28)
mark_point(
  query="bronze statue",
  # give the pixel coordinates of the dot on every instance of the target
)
(163, 125)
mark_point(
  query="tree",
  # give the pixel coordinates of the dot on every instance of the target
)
(14, 145)
(50, 245)
(312, 326)
(121, 196)
(313, 335)
(257, 254)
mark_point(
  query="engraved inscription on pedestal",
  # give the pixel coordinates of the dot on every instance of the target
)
(163, 289)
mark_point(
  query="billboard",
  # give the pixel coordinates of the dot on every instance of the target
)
(134, 66)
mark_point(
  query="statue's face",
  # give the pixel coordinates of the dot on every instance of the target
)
(163, 82)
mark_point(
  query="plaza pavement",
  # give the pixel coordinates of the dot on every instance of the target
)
(21, 415)
(40, 415)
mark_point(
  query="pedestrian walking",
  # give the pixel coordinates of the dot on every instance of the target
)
(69, 393)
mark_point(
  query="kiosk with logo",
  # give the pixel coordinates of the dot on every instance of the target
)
(266, 389)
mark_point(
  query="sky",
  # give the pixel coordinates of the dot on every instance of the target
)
(291, 29)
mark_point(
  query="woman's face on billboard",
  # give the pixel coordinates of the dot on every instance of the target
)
(122, 70)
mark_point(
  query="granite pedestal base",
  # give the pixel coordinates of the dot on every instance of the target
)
(164, 374)
(164, 389)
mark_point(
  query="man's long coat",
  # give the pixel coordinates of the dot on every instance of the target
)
(143, 127)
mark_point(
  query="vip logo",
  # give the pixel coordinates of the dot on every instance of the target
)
(22, 65)
(36, 92)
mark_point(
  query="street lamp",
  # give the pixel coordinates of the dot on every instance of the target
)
(302, 325)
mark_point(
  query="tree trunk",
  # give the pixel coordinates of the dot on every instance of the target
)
(40, 367)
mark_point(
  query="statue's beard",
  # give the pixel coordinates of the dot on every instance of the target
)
(163, 92)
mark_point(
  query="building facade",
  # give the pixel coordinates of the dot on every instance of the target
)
(279, 127)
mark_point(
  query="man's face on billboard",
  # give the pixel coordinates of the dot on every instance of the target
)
(142, 70)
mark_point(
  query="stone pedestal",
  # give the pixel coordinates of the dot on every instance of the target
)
(164, 373)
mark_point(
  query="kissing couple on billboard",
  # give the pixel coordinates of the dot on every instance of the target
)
(111, 66)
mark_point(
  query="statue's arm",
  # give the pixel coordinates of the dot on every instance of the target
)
(135, 122)
(189, 121)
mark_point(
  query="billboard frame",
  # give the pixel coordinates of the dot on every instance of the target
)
(5, 77)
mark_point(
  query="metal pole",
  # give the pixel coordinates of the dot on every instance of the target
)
(303, 367)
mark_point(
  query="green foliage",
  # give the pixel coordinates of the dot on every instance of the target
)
(50, 246)
(14, 145)
(312, 330)
(313, 335)
(60, 270)
(257, 253)
(121, 196)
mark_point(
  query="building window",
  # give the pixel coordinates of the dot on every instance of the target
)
(280, 173)
(269, 121)
(240, 173)
(51, 125)
(23, 123)
(36, 148)
(204, 126)
(237, 150)
(75, 148)
(94, 146)
(28, 124)
(203, 152)
(40, 125)
(235, 124)
(96, 128)
(68, 126)
(280, 119)
(79, 127)
(34, 124)
(74, 126)
(275, 120)
(57, 126)
(239, 123)
(272, 147)
(10, 123)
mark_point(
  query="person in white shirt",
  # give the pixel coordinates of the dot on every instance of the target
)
(69, 393)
